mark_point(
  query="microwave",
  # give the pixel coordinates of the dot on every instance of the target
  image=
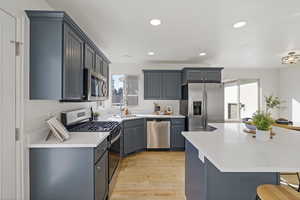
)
(95, 86)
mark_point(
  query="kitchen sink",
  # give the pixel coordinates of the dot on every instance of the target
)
(208, 128)
(124, 116)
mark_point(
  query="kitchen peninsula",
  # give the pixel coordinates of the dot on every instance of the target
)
(229, 164)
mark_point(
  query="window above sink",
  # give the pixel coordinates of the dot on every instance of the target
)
(125, 90)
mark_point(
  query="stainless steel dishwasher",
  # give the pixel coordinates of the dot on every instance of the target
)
(158, 134)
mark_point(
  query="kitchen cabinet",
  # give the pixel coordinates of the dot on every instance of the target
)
(162, 84)
(202, 75)
(105, 70)
(106, 75)
(177, 139)
(99, 63)
(171, 85)
(152, 85)
(59, 50)
(73, 65)
(89, 58)
(134, 136)
(101, 178)
(202, 178)
(194, 174)
(80, 173)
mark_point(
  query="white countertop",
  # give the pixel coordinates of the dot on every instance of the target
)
(77, 139)
(89, 139)
(141, 116)
(230, 149)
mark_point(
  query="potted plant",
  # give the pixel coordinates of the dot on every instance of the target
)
(263, 122)
(272, 103)
(96, 115)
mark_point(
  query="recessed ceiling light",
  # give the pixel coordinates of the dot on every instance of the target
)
(239, 24)
(155, 22)
(151, 53)
(202, 54)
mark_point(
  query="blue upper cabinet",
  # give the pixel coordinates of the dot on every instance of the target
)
(162, 84)
(59, 51)
(202, 75)
(73, 65)
(171, 85)
(152, 84)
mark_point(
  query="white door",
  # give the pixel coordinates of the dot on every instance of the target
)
(242, 99)
(7, 107)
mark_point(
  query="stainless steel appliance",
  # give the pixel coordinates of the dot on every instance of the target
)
(81, 121)
(158, 134)
(95, 86)
(202, 103)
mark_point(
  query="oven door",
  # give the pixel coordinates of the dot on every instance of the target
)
(114, 152)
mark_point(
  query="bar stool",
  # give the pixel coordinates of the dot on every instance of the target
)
(276, 192)
(293, 185)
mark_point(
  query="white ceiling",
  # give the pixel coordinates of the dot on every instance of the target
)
(121, 28)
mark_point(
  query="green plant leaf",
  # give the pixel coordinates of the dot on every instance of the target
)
(262, 120)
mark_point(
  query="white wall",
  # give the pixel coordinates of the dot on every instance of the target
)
(290, 93)
(268, 79)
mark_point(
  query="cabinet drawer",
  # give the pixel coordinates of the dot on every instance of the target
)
(100, 150)
(101, 178)
(178, 121)
(134, 123)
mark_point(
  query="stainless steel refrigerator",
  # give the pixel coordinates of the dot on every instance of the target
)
(202, 103)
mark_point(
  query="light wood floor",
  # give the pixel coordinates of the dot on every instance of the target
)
(151, 176)
(155, 176)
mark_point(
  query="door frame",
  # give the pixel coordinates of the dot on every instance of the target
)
(19, 107)
(238, 83)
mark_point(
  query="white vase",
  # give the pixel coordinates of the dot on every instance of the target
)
(263, 135)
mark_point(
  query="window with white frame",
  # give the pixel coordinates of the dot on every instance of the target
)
(125, 90)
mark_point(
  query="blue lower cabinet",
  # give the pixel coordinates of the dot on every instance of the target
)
(194, 174)
(134, 136)
(204, 181)
(69, 173)
(177, 139)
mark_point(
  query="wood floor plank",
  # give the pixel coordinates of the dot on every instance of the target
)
(151, 176)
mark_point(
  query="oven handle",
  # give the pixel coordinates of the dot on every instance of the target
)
(115, 139)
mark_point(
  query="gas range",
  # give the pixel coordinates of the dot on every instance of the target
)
(94, 126)
(80, 121)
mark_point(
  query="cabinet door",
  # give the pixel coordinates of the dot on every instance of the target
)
(73, 65)
(213, 76)
(106, 74)
(105, 69)
(195, 75)
(202, 75)
(99, 64)
(130, 140)
(152, 85)
(171, 85)
(89, 58)
(140, 135)
(195, 181)
(178, 141)
(101, 178)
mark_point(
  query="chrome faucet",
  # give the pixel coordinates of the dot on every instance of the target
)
(121, 109)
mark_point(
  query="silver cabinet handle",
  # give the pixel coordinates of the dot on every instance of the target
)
(98, 168)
